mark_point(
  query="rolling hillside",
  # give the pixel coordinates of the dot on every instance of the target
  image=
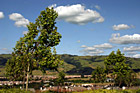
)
(74, 64)
(86, 64)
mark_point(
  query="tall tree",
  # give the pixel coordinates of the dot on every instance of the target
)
(120, 71)
(99, 75)
(35, 48)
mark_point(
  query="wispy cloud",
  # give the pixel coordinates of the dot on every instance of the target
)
(136, 56)
(4, 49)
(96, 49)
(20, 21)
(131, 49)
(97, 7)
(104, 46)
(83, 46)
(122, 27)
(78, 14)
(91, 51)
(1, 15)
(126, 39)
(131, 53)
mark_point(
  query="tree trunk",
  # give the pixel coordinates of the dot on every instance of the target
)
(27, 78)
(24, 79)
(120, 84)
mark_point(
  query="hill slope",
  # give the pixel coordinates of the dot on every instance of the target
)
(86, 64)
(80, 64)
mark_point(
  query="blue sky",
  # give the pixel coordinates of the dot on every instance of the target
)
(88, 27)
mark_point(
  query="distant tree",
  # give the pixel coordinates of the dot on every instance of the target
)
(117, 68)
(61, 78)
(14, 70)
(99, 75)
(60, 81)
(34, 50)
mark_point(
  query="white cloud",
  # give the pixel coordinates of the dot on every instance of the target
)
(126, 39)
(97, 7)
(54, 5)
(122, 27)
(131, 48)
(1, 15)
(16, 16)
(96, 52)
(83, 46)
(24, 32)
(131, 53)
(77, 14)
(20, 21)
(104, 46)
(136, 56)
(101, 19)
(96, 49)
(91, 50)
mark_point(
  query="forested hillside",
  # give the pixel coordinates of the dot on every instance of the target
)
(4, 58)
(74, 64)
(86, 64)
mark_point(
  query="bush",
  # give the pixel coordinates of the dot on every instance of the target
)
(138, 91)
(137, 82)
(125, 91)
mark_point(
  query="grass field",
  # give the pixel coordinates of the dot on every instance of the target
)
(13, 91)
(109, 91)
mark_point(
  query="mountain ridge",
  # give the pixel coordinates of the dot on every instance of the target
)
(74, 64)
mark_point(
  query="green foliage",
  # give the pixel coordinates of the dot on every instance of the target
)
(34, 50)
(138, 91)
(119, 70)
(99, 75)
(137, 82)
(61, 79)
(70, 65)
(13, 71)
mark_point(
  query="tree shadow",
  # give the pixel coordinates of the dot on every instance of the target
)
(81, 71)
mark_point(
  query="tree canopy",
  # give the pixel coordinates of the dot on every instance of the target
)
(117, 68)
(34, 50)
(99, 75)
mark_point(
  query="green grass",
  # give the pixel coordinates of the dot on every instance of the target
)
(109, 91)
(13, 91)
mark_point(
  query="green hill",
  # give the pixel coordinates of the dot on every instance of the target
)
(4, 58)
(74, 64)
